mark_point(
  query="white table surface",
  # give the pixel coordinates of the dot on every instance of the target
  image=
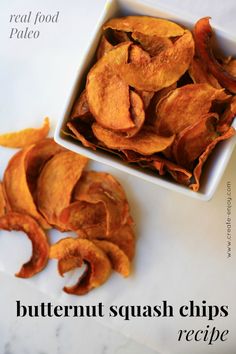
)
(35, 85)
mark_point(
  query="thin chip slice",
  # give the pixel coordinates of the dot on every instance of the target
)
(25, 137)
(146, 25)
(200, 75)
(19, 197)
(227, 117)
(119, 260)
(202, 159)
(193, 140)
(147, 142)
(95, 187)
(36, 158)
(40, 247)
(137, 113)
(104, 47)
(82, 132)
(98, 265)
(178, 173)
(164, 69)
(56, 182)
(203, 34)
(67, 264)
(138, 56)
(183, 106)
(81, 108)
(107, 93)
(84, 216)
(2, 201)
(124, 238)
(230, 67)
(152, 44)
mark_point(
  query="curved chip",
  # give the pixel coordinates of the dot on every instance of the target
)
(152, 44)
(183, 106)
(203, 34)
(98, 265)
(193, 140)
(146, 25)
(230, 67)
(104, 47)
(19, 197)
(81, 108)
(164, 69)
(137, 113)
(25, 137)
(202, 159)
(138, 56)
(178, 173)
(227, 117)
(200, 75)
(56, 182)
(82, 132)
(124, 238)
(119, 260)
(145, 143)
(88, 217)
(95, 187)
(107, 93)
(36, 158)
(40, 247)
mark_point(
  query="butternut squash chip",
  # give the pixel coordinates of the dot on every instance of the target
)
(107, 92)
(19, 197)
(152, 44)
(100, 187)
(98, 265)
(146, 25)
(202, 159)
(137, 113)
(119, 260)
(81, 108)
(40, 246)
(227, 117)
(193, 140)
(124, 238)
(146, 143)
(183, 106)
(56, 182)
(82, 132)
(200, 75)
(25, 137)
(104, 47)
(164, 69)
(87, 217)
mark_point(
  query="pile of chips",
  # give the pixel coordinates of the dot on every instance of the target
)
(157, 97)
(46, 186)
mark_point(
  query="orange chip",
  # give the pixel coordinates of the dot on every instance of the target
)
(98, 265)
(183, 106)
(178, 173)
(25, 137)
(107, 93)
(227, 117)
(69, 263)
(19, 197)
(202, 159)
(124, 238)
(137, 113)
(200, 75)
(56, 182)
(104, 47)
(152, 44)
(81, 108)
(193, 140)
(145, 143)
(2, 201)
(230, 67)
(88, 217)
(163, 69)
(138, 56)
(119, 260)
(119, 36)
(95, 187)
(40, 247)
(36, 159)
(146, 97)
(82, 132)
(146, 25)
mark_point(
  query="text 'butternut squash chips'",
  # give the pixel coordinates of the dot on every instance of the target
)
(156, 97)
(46, 186)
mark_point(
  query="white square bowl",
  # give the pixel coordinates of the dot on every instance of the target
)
(217, 162)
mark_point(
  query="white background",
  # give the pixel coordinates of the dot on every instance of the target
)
(181, 249)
